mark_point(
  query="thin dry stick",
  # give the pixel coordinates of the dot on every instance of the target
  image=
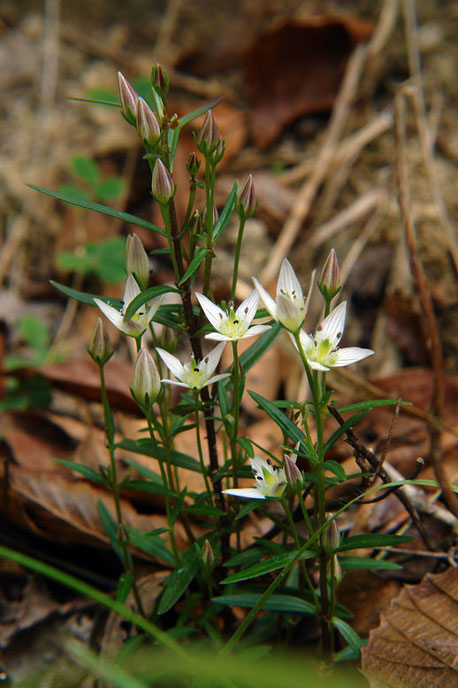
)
(358, 209)
(426, 304)
(423, 125)
(357, 246)
(303, 203)
(350, 147)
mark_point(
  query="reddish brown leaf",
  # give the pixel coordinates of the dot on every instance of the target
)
(416, 644)
(296, 69)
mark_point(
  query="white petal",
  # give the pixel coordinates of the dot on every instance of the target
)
(111, 313)
(287, 280)
(171, 362)
(309, 295)
(210, 362)
(258, 465)
(248, 492)
(349, 355)
(317, 366)
(305, 339)
(256, 329)
(214, 313)
(332, 327)
(153, 307)
(131, 290)
(216, 378)
(217, 337)
(174, 382)
(268, 301)
(247, 309)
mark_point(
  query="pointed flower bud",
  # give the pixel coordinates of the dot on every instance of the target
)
(208, 135)
(331, 536)
(146, 383)
(100, 349)
(329, 282)
(147, 124)
(292, 473)
(208, 556)
(193, 164)
(129, 98)
(247, 199)
(160, 80)
(137, 261)
(162, 185)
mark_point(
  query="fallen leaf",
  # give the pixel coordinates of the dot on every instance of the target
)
(416, 644)
(296, 69)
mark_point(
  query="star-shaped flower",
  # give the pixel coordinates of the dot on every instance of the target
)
(137, 324)
(290, 309)
(270, 480)
(194, 375)
(321, 349)
(232, 325)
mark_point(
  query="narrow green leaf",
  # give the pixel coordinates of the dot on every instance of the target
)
(194, 265)
(284, 423)
(349, 634)
(226, 214)
(110, 527)
(259, 348)
(369, 540)
(82, 297)
(335, 468)
(246, 445)
(106, 210)
(276, 603)
(146, 448)
(179, 580)
(364, 563)
(151, 544)
(341, 430)
(177, 507)
(277, 562)
(125, 583)
(372, 404)
(96, 101)
(147, 295)
(87, 471)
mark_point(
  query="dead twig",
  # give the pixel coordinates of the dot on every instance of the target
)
(424, 295)
(363, 454)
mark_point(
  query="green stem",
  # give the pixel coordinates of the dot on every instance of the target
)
(203, 467)
(123, 538)
(237, 257)
(235, 412)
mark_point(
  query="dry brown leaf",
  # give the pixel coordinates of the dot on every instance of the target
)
(416, 644)
(296, 69)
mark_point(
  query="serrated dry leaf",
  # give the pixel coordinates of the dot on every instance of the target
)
(416, 644)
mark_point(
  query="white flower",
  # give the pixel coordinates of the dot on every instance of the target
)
(140, 320)
(270, 480)
(194, 375)
(232, 325)
(290, 309)
(321, 349)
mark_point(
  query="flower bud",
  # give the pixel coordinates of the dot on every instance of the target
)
(329, 282)
(162, 185)
(208, 556)
(147, 124)
(160, 80)
(129, 99)
(208, 135)
(292, 473)
(137, 261)
(193, 164)
(331, 536)
(100, 348)
(146, 383)
(247, 199)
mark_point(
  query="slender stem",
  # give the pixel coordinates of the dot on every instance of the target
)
(237, 256)
(203, 467)
(235, 412)
(122, 535)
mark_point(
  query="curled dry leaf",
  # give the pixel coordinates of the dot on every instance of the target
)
(416, 644)
(296, 69)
